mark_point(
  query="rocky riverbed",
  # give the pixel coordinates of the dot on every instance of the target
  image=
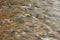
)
(29, 19)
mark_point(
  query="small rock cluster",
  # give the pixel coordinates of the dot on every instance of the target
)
(29, 20)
